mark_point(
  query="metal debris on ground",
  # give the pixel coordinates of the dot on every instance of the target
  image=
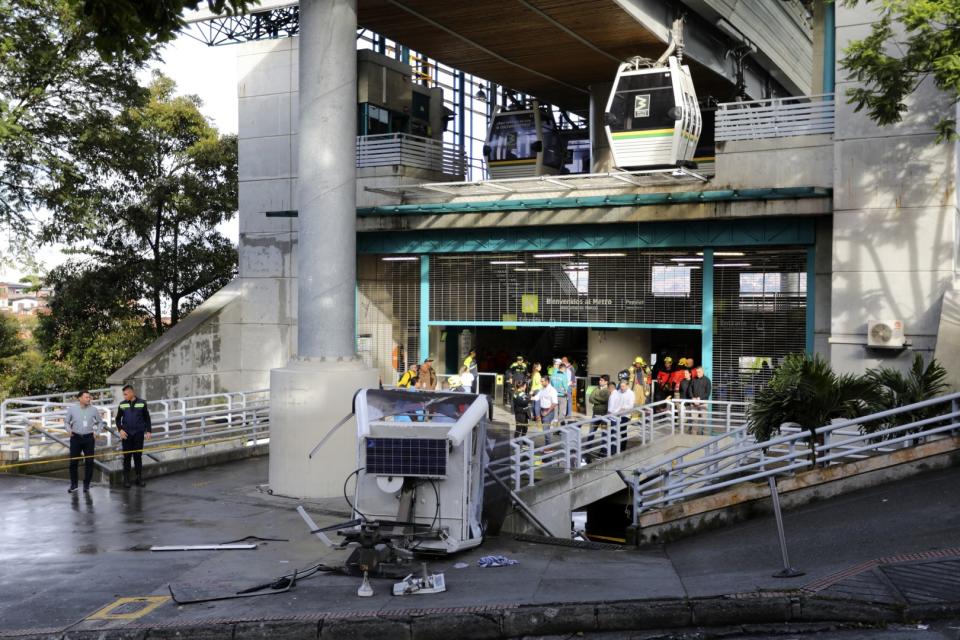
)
(205, 547)
(423, 584)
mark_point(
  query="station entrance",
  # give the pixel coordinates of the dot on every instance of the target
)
(738, 315)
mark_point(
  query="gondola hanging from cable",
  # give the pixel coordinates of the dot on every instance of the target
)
(523, 141)
(652, 116)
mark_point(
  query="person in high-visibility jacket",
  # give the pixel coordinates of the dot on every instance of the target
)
(637, 380)
(677, 376)
(664, 386)
(409, 378)
(470, 364)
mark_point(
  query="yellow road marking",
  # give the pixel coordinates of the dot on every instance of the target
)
(150, 603)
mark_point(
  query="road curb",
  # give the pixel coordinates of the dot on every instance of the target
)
(515, 621)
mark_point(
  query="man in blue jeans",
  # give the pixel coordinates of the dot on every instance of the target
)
(548, 408)
(558, 380)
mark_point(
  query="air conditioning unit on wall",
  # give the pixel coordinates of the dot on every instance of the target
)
(887, 334)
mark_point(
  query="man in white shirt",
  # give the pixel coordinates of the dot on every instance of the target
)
(548, 407)
(621, 402)
(466, 380)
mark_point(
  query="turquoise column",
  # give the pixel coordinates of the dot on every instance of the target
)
(424, 307)
(811, 299)
(706, 323)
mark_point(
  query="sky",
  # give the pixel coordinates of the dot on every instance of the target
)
(208, 72)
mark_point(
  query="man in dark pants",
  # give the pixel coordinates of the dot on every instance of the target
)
(83, 422)
(133, 422)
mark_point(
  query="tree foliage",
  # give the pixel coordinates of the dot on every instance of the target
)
(911, 41)
(805, 390)
(54, 90)
(136, 27)
(158, 179)
(898, 389)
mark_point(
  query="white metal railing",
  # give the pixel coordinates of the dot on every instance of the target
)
(735, 457)
(775, 118)
(411, 151)
(567, 447)
(35, 428)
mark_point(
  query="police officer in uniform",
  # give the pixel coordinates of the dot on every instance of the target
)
(133, 423)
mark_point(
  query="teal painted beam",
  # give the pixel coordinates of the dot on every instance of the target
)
(706, 325)
(541, 323)
(424, 307)
(629, 200)
(741, 233)
(811, 299)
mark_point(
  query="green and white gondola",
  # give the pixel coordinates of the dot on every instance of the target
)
(522, 142)
(652, 116)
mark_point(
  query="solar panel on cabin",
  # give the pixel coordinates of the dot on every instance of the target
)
(407, 457)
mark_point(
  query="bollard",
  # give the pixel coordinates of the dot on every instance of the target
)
(787, 571)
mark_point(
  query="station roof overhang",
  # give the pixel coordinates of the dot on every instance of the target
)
(555, 50)
(551, 49)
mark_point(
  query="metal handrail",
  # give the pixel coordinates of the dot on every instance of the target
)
(172, 418)
(565, 446)
(743, 459)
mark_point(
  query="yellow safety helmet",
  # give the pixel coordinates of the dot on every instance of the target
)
(639, 360)
(668, 359)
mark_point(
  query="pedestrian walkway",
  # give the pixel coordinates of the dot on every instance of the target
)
(84, 553)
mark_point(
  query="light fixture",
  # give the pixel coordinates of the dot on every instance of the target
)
(725, 254)
(528, 269)
(400, 258)
(506, 262)
(480, 95)
(553, 255)
(686, 259)
(604, 255)
(732, 264)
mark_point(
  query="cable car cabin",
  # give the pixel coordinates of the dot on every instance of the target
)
(652, 116)
(523, 141)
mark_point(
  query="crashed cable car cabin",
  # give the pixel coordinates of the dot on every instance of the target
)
(523, 141)
(652, 116)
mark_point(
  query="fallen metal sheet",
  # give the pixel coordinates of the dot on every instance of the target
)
(206, 547)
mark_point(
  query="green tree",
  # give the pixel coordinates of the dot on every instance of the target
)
(54, 90)
(157, 181)
(11, 344)
(911, 41)
(135, 27)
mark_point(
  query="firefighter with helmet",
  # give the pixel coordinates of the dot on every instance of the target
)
(637, 379)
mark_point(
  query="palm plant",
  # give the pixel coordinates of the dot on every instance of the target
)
(806, 391)
(895, 389)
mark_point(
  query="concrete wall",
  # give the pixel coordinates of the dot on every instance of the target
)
(798, 161)
(610, 351)
(895, 218)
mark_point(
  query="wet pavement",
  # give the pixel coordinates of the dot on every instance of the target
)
(64, 557)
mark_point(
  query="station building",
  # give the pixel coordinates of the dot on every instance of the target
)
(802, 226)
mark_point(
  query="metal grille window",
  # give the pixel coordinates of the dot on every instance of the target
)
(388, 313)
(622, 287)
(760, 317)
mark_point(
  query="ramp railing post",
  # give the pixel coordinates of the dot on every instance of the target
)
(787, 571)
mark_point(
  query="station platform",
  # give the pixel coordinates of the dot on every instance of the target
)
(79, 565)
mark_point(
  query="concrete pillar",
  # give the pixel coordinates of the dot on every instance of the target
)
(601, 158)
(315, 390)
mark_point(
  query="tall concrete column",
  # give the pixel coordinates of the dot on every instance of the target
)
(316, 388)
(601, 157)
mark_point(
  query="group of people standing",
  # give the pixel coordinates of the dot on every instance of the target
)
(84, 422)
(544, 398)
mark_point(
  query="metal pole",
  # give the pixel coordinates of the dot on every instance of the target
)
(327, 179)
(787, 571)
